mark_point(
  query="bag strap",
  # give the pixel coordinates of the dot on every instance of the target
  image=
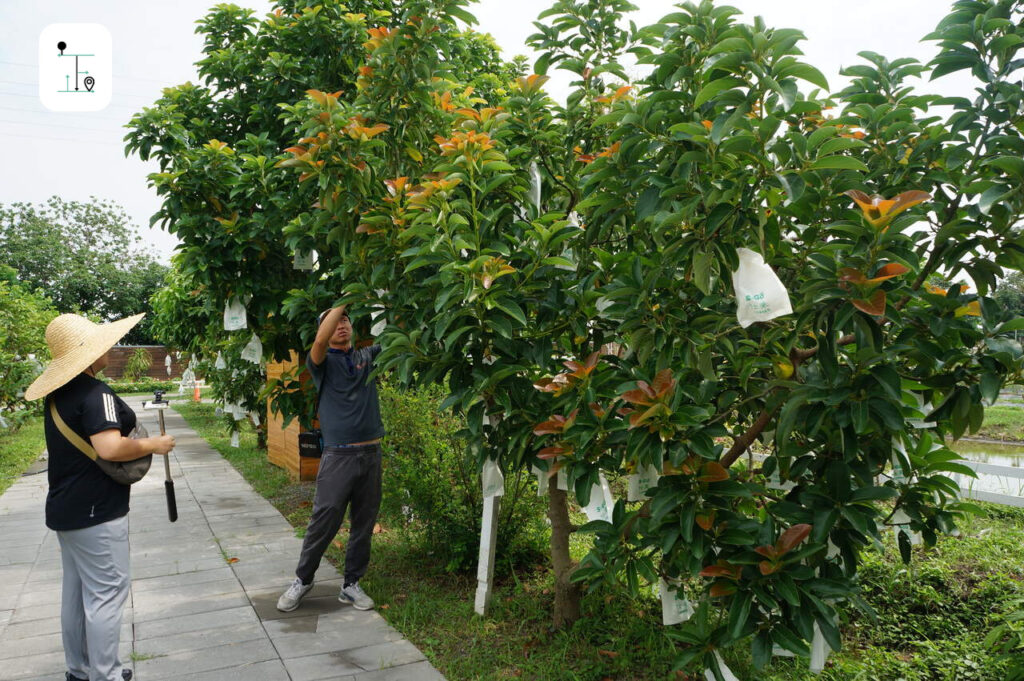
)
(71, 436)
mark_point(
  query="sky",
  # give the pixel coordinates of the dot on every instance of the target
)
(79, 155)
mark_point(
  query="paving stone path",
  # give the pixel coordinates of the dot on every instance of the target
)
(192, 615)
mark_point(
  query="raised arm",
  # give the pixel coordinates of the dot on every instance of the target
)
(323, 334)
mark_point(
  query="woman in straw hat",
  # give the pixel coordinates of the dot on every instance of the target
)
(85, 507)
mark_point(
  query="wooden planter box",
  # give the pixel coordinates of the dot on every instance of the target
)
(283, 443)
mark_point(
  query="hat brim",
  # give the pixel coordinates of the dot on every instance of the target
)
(61, 370)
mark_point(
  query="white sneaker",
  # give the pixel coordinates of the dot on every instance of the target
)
(291, 598)
(355, 595)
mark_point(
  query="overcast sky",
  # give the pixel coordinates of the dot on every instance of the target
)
(78, 155)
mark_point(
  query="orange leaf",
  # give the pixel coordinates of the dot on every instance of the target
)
(713, 471)
(893, 269)
(874, 306)
(706, 520)
(854, 276)
(793, 536)
(637, 397)
(232, 560)
(768, 552)
(767, 568)
(663, 382)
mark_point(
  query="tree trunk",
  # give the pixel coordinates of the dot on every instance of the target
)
(567, 594)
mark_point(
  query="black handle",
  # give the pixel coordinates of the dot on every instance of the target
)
(172, 504)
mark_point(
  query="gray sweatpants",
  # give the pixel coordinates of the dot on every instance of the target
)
(96, 582)
(347, 476)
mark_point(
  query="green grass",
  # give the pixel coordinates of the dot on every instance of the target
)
(1002, 423)
(19, 449)
(933, 615)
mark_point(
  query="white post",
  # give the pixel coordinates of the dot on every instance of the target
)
(488, 542)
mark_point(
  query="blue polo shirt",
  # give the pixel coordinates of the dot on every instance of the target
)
(349, 409)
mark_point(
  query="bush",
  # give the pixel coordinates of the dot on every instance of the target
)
(143, 386)
(23, 319)
(137, 365)
(432, 487)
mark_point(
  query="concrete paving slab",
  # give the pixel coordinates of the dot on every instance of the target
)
(418, 671)
(207, 659)
(191, 615)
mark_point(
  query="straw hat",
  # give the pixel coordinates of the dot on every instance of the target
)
(75, 343)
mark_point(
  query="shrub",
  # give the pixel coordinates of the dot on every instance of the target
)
(143, 386)
(432, 487)
(137, 365)
(23, 319)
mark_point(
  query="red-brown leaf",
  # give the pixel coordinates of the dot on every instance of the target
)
(722, 589)
(713, 471)
(874, 306)
(793, 536)
(767, 568)
(893, 269)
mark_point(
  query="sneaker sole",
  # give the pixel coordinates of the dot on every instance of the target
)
(291, 609)
(342, 599)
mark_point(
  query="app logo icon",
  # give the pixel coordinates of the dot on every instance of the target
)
(75, 71)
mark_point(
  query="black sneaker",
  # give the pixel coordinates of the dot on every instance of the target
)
(126, 674)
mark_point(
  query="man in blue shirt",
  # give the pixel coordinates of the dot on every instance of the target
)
(350, 467)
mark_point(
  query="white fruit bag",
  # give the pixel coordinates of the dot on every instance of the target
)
(760, 296)
(234, 315)
(493, 480)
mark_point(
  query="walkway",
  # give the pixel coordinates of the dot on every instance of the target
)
(193, 614)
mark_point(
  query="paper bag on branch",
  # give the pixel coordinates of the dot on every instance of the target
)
(760, 296)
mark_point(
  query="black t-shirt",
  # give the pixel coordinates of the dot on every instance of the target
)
(82, 495)
(349, 408)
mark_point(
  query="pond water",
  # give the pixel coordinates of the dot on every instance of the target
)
(1000, 455)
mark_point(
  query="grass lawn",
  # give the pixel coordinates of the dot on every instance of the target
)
(1002, 423)
(932, 615)
(19, 449)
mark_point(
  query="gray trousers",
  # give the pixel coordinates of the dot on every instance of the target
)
(347, 476)
(96, 582)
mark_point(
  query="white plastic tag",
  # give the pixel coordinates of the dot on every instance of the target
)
(644, 479)
(535, 182)
(542, 480)
(234, 439)
(493, 480)
(220, 364)
(303, 260)
(255, 416)
(234, 315)
(253, 351)
(726, 672)
(674, 607)
(819, 651)
(601, 501)
(561, 480)
(760, 295)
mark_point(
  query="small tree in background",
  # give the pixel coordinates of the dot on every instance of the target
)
(84, 256)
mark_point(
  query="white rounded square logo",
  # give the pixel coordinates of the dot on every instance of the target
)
(75, 71)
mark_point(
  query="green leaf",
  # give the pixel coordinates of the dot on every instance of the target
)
(903, 539)
(872, 494)
(702, 271)
(512, 309)
(1011, 165)
(739, 613)
(808, 73)
(713, 88)
(838, 163)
